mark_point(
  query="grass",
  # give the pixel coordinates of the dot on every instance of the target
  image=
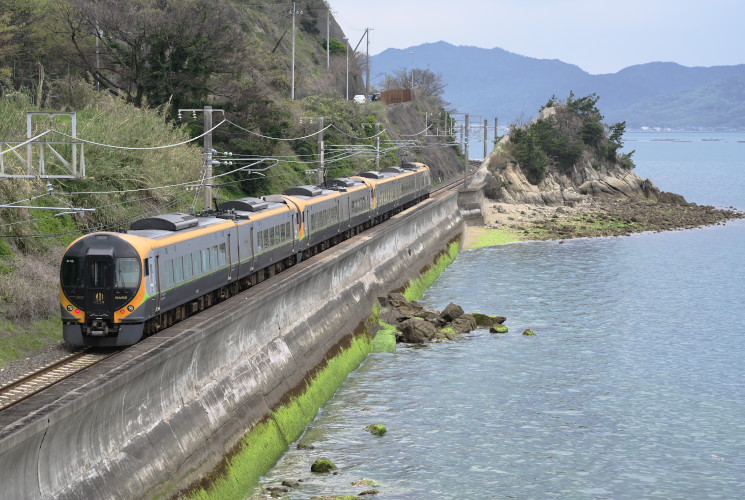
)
(493, 237)
(18, 342)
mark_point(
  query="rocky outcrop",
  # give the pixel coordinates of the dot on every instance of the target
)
(416, 324)
(506, 183)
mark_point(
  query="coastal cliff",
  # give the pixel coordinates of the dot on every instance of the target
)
(580, 159)
(507, 183)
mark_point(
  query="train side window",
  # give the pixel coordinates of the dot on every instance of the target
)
(206, 260)
(213, 257)
(197, 263)
(169, 273)
(178, 270)
(288, 229)
(222, 253)
(147, 267)
(260, 243)
(188, 267)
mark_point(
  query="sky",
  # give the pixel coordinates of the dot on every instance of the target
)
(599, 36)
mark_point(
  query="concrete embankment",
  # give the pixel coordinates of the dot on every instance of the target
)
(162, 414)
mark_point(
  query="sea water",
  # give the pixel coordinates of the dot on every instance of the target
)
(633, 387)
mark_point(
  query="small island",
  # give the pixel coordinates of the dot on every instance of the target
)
(563, 176)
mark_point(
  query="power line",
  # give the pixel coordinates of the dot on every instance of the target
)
(141, 149)
(278, 138)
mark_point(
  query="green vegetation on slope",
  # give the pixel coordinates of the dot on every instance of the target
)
(560, 139)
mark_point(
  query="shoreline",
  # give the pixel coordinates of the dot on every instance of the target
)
(591, 218)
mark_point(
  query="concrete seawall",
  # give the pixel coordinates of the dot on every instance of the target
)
(166, 411)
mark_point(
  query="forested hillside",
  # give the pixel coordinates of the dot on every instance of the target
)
(138, 76)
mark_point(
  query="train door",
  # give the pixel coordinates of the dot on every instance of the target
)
(157, 283)
(251, 248)
(230, 257)
(99, 271)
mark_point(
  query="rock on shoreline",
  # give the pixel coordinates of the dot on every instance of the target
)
(416, 324)
(601, 217)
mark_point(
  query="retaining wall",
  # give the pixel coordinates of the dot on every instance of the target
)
(166, 411)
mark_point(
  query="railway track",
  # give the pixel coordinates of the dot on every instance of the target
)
(35, 382)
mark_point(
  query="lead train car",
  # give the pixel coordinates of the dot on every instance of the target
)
(117, 287)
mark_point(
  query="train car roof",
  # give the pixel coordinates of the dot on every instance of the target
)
(252, 208)
(346, 184)
(163, 226)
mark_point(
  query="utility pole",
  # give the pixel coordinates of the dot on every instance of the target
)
(208, 151)
(208, 158)
(486, 136)
(346, 41)
(321, 166)
(377, 146)
(496, 132)
(465, 140)
(328, 42)
(292, 86)
(412, 69)
(367, 81)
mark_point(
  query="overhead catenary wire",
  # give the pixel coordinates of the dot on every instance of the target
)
(151, 148)
(337, 154)
(356, 137)
(99, 227)
(278, 138)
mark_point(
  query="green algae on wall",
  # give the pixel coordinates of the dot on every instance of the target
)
(493, 237)
(265, 444)
(416, 288)
(260, 449)
(385, 339)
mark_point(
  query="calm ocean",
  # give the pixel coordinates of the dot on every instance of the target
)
(634, 387)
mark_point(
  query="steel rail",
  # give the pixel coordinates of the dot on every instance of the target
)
(37, 381)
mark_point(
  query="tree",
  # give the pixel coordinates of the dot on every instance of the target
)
(8, 48)
(528, 153)
(154, 49)
(426, 81)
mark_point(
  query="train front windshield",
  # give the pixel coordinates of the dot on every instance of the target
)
(72, 272)
(100, 283)
(126, 273)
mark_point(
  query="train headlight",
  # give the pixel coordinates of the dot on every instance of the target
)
(130, 308)
(70, 308)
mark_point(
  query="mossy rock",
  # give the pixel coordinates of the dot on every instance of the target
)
(337, 497)
(499, 329)
(529, 331)
(365, 482)
(376, 429)
(322, 465)
(486, 320)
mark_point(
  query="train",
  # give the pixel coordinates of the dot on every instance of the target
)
(117, 287)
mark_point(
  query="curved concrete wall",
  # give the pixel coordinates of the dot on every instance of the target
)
(168, 409)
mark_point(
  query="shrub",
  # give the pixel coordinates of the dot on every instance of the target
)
(29, 292)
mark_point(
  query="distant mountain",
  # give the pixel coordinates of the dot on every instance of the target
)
(497, 83)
